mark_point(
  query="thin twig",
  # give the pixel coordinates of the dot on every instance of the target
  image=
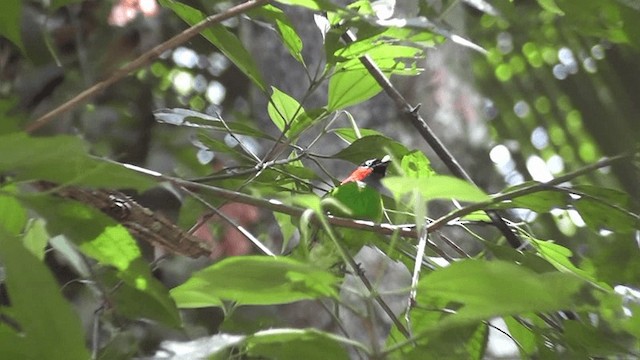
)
(422, 244)
(265, 250)
(143, 60)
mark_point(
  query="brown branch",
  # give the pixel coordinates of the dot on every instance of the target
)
(143, 60)
(140, 221)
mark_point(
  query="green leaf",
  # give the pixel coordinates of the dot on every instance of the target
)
(101, 238)
(217, 146)
(616, 260)
(364, 202)
(559, 256)
(351, 84)
(310, 4)
(416, 165)
(436, 187)
(222, 38)
(10, 22)
(598, 216)
(487, 289)
(378, 51)
(14, 215)
(287, 228)
(459, 342)
(368, 147)
(49, 329)
(612, 196)
(349, 134)
(64, 159)
(524, 336)
(191, 118)
(255, 280)
(36, 238)
(141, 296)
(284, 28)
(540, 202)
(294, 344)
(284, 111)
(551, 6)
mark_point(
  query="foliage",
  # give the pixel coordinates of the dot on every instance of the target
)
(567, 292)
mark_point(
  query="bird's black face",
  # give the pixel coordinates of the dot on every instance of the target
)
(379, 166)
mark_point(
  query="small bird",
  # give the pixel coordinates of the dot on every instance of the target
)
(370, 172)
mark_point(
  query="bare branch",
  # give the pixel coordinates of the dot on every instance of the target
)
(143, 60)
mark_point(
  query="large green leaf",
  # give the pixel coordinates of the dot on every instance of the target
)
(598, 216)
(63, 159)
(460, 342)
(10, 22)
(416, 165)
(294, 344)
(350, 135)
(540, 201)
(363, 201)
(284, 28)
(222, 38)
(101, 238)
(587, 341)
(560, 257)
(49, 329)
(436, 187)
(14, 215)
(486, 289)
(375, 146)
(351, 84)
(310, 4)
(284, 111)
(256, 280)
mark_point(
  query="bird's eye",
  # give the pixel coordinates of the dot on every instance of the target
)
(369, 162)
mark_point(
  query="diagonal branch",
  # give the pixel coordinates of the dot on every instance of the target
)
(143, 60)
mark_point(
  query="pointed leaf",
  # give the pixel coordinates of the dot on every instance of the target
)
(284, 111)
(363, 201)
(284, 28)
(311, 4)
(351, 84)
(222, 38)
(416, 165)
(10, 22)
(294, 344)
(368, 147)
(436, 187)
(487, 289)
(255, 280)
(50, 329)
(101, 238)
(14, 215)
(349, 135)
(64, 159)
